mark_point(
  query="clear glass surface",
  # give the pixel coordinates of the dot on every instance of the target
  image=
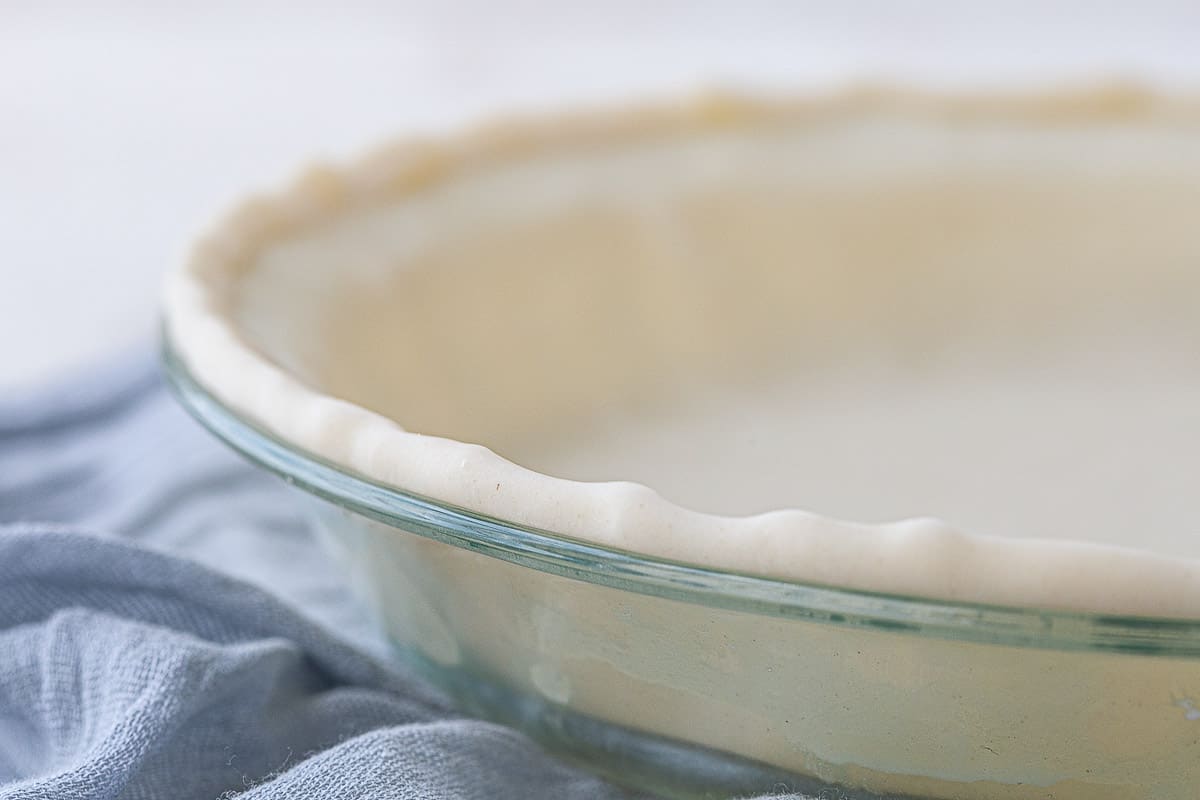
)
(698, 682)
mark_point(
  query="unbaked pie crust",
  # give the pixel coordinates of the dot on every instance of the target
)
(514, 285)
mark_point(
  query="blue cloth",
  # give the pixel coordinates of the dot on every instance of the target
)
(140, 657)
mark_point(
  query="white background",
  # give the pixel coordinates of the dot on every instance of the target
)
(125, 126)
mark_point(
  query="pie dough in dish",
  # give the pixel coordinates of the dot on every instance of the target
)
(881, 307)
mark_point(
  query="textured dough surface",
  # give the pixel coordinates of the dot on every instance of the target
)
(876, 316)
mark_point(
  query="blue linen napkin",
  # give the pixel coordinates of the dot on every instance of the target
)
(140, 659)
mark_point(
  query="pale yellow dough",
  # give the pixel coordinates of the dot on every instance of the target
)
(890, 309)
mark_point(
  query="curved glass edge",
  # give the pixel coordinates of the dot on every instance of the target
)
(581, 560)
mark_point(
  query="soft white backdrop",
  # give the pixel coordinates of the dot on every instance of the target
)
(125, 126)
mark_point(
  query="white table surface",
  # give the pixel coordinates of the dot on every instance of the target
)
(125, 126)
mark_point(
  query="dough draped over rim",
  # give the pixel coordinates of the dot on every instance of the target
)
(277, 388)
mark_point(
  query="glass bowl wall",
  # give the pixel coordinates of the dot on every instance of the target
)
(697, 682)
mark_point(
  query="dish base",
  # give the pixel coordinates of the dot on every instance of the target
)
(666, 767)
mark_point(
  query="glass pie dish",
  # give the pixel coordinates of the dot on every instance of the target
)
(516, 286)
